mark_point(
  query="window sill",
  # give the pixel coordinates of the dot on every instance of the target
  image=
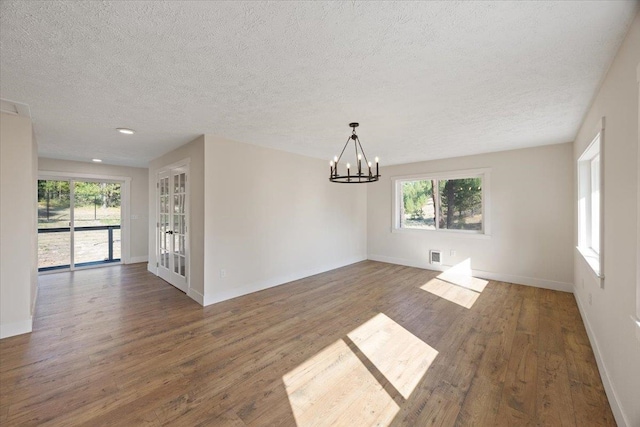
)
(453, 233)
(592, 259)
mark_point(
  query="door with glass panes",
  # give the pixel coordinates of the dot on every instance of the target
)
(173, 257)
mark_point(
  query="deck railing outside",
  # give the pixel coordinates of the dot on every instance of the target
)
(110, 258)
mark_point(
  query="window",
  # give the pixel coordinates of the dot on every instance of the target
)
(452, 201)
(590, 202)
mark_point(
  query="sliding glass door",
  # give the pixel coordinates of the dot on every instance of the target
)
(79, 223)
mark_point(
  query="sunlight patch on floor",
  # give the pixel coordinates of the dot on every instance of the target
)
(457, 285)
(461, 296)
(336, 388)
(399, 355)
(461, 275)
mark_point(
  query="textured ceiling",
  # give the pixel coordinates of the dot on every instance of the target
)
(425, 80)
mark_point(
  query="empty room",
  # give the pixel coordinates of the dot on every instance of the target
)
(319, 213)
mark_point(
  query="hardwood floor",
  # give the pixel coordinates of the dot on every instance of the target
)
(367, 344)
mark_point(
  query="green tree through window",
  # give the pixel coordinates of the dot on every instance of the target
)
(453, 204)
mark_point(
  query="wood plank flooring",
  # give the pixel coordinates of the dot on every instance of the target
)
(367, 344)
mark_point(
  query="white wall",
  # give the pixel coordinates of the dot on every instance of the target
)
(18, 217)
(272, 218)
(530, 214)
(194, 152)
(608, 318)
(139, 199)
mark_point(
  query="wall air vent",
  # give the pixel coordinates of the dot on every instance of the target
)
(435, 257)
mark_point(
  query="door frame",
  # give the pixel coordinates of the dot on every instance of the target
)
(184, 163)
(125, 208)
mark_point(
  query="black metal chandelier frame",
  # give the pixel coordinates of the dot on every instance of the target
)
(359, 177)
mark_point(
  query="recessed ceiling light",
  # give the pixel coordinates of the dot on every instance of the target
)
(126, 131)
(97, 160)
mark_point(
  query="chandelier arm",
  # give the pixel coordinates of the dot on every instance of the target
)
(343, 148)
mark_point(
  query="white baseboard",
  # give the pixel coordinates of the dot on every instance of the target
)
(618, 413)
(196, 296)
(16, 328)
(137, 259)
(227, 294)
(510, 278)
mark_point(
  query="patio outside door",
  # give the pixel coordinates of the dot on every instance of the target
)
(172, 227)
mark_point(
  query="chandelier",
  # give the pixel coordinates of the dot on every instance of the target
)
(358, 176)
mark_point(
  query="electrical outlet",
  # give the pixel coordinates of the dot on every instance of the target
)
(590, 298)
(223, 273)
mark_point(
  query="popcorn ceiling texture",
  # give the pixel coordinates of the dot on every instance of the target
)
(425, 80)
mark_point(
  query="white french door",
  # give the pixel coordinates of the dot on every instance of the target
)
(172, 226)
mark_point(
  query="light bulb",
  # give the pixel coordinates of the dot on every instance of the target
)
(369, 164)
(348, 166)
(359, 156)
(335, 159)
(331, 163)
(377, 160)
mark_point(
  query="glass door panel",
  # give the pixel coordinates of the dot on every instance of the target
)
(96, 219)
(54, 233)
(164, 222)
(179, 223)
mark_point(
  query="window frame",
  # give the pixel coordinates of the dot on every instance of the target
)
(594, 214)
(483, 173)
(586, 179)
(636, 320)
